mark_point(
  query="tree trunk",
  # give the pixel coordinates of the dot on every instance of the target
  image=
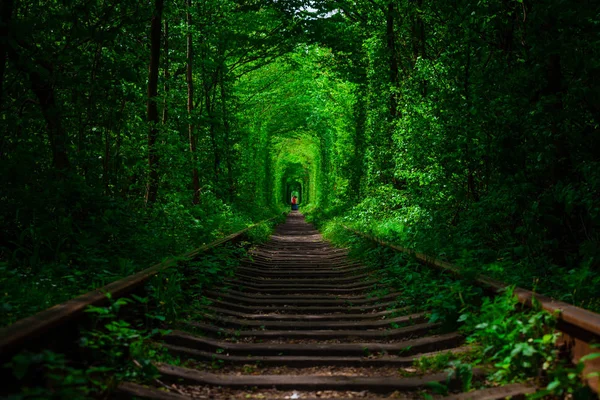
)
(39, 74)
(152, 107)
(471, 184)
(421, 26)
(226, 132)
(56, 134)
(117, 158)
(212, 132)
(393, 60)
(190, 108)
(563, 166)
(167, 75)
(357, 169)
(106, 161)
(6, 9)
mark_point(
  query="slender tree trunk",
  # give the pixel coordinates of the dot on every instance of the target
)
(152, 108)
(383, 144)
(212, 132)
(208, 85)
(106, 161)
(56, 133)
(471, 184)
(555, 88)
(87, 119)
(393, 60)
(117, 154)
(226, 130)
(190, 107)
(41, 87)
(167, 75)
(6, 10)
(357, 169)
(421, 26)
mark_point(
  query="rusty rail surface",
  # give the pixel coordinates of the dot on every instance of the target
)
(580, 327)
(14, 337)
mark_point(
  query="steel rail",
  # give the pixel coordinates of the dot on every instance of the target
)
(580, 327)
(14, 337)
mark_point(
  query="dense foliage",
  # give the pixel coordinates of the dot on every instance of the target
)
(476, 134)
(131, 131)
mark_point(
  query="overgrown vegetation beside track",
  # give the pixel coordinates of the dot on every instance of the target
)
(577, 286)
(129, 247)
(514, 343)
(122, 341)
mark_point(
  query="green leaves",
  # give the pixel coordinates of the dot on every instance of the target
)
(516, 342)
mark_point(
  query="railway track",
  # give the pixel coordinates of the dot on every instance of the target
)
(297, 320)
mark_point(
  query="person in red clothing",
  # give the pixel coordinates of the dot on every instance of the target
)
(294, 203)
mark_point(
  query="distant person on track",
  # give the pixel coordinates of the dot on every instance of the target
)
(294, 203)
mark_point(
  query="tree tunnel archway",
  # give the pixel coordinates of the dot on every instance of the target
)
(296, 170)
(294, 189)
(295, 181)
(297, 114)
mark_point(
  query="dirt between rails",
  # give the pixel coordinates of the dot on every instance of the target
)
(270, 279)
(399, 313)
(321, 341)
(253, 369)
(292, 310)
(350, 296)
(199, 316)
(207, 392)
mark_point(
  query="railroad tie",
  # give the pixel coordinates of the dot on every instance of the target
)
(299, 321)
